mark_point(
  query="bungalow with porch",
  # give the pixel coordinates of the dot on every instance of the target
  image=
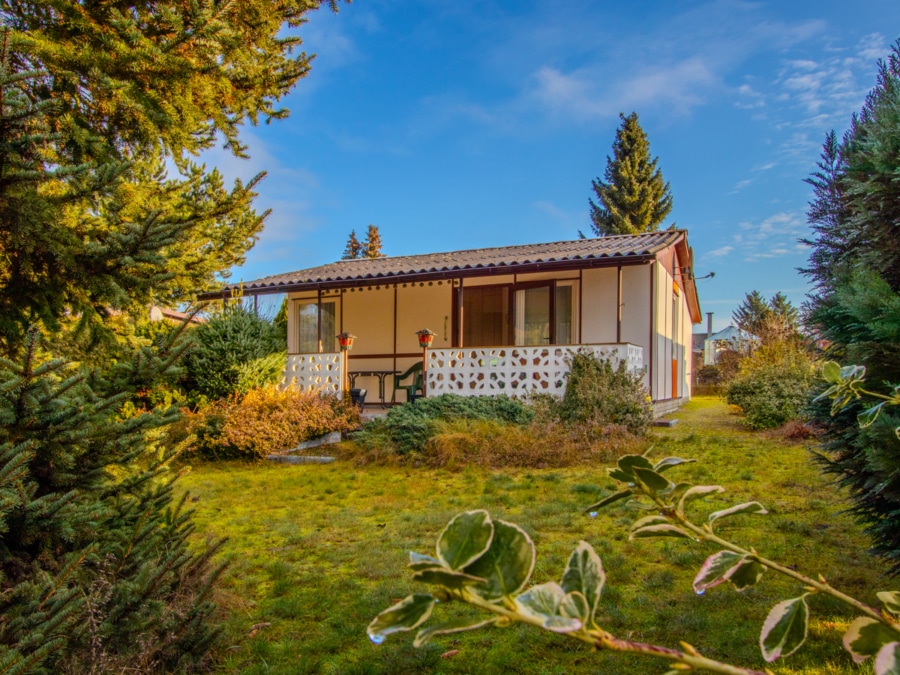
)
(504, 319)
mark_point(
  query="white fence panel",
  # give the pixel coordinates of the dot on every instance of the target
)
(489, 371)
(314, 372)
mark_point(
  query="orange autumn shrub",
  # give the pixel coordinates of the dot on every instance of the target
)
(268, 420)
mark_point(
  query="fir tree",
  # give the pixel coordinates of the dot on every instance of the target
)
(752, 314)
(95, 571)
(101, 99)
(372, 246)
(855, 307)
(353, 249)
(633, 198)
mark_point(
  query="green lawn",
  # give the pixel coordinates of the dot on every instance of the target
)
(316, 551)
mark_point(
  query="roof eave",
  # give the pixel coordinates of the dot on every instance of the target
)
(435, 275)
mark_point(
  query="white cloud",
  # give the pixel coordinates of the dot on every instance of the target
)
(773, 237)
(591, 93)
(719, 252)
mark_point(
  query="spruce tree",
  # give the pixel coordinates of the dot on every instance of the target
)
(96, 574)
(633, 198)
(855, 305)
(91, 225)
(372, 246)
(353, 249)
(752, 314)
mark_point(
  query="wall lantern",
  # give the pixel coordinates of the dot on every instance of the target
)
(345, 340)
(426, 337)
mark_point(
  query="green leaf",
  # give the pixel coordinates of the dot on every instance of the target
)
(627, 463)
(606, 501)
(728, 566)
(405, 615)
(749, 507)
(669, 462)
(506, 565)
(417, 561)
(890, 600)
(454, 626)
(714, 570)
(867, 417)
(621, 476)
(441, 576)
(698, 492)
(543, 602)
(664, 530)
(648, 520)
(887, 661)
(746, 574)
(465, 538)
(651, 479)
(584, 574)
(831, 372)
(575, 606)
(785, 628)
(865, 637)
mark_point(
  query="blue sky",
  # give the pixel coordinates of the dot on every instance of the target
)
(467, 124)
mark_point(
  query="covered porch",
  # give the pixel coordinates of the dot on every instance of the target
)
(466, 371)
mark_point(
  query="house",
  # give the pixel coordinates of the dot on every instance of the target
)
(728, 338)
(505, 319)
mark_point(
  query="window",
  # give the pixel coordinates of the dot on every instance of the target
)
(308, 314)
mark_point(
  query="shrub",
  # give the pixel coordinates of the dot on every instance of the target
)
(261, 372)
(772, 385)
(408, 428)
(267, 421)
(599, 394)
(224, 346)
(96, 573)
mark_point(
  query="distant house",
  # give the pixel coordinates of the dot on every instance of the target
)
(727, 338)
(505, 319)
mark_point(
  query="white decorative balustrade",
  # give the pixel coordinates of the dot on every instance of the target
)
(314, 372)
(489, 371)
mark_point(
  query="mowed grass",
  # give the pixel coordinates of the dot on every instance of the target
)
(315, 552)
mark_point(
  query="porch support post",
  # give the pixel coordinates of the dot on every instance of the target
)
(319, 317)
(652, 327)
(460, 309)
(395, 336)
(619, 304)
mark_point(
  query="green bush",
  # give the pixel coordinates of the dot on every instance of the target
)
(408, 428)
(599, 394)
(268, 420)
(224, 348)
(772, 385)
(262, 372)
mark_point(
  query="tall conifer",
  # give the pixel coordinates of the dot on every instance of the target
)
(372, 246)
(633, 198)
(353, 249)
(855, 306)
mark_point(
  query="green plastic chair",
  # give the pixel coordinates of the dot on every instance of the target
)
(417, 385)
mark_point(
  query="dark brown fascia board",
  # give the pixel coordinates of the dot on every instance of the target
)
(438, 275)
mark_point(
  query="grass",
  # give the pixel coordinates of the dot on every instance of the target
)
(316, 552)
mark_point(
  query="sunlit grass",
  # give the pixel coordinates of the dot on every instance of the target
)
(316, 551)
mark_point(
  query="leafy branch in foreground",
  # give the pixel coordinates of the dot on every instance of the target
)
(846, 385)
(487, 563)
(876, 633)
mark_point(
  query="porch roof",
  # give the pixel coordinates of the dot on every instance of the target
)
(559, 255)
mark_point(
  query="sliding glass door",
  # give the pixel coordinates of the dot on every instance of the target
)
(526, 315)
